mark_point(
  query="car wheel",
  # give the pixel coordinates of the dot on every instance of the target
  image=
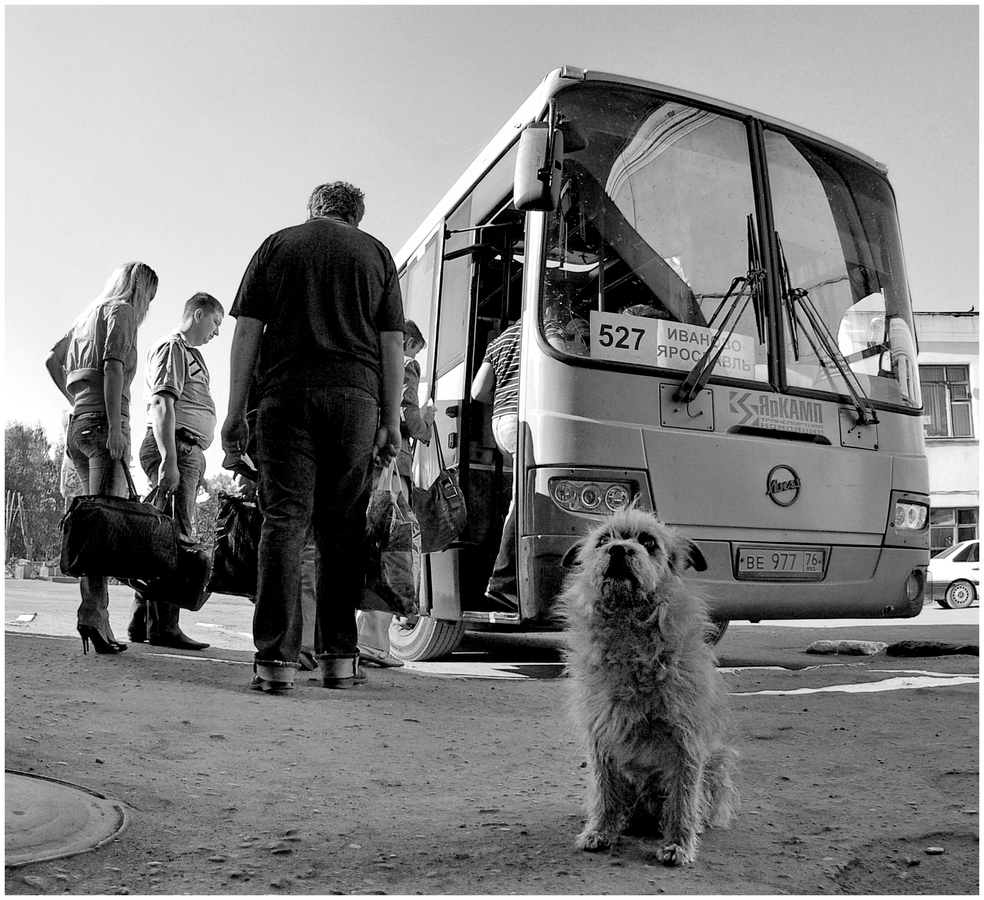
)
(959, 595)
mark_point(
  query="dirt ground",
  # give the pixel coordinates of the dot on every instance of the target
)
(427, 785)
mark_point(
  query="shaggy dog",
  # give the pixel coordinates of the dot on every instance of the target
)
(646, 695)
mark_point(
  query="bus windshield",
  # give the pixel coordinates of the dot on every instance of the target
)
(841, 271)
(654, 253)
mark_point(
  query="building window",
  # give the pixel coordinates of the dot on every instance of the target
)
(951, 526)
(946, 399)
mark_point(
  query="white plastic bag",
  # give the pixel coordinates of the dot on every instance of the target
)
(393, 557)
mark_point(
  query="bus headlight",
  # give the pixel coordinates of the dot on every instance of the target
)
(590, 496)
(617, 497)
(910, 516)
(575, 495)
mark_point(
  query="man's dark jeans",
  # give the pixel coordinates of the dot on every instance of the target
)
(153, 616)
(315, 445)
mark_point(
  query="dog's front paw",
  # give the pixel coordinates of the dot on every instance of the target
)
(592, 840)
(674, 855)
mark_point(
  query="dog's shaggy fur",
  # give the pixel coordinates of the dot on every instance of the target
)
(646, 694)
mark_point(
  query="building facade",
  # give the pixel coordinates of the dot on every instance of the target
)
(949, 370)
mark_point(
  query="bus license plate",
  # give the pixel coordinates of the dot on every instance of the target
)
(764, 563)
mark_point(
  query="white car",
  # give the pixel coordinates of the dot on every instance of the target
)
(953, 580)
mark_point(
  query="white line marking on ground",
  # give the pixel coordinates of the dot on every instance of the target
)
(903, 683)
(245, 634)
(201, 658)
(472, 670)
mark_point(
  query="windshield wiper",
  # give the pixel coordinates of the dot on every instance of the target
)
(744, 289)
(802, 314)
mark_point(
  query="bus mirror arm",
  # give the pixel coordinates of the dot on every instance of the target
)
(469, 250)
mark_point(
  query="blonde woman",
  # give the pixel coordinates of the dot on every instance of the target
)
(93, 366)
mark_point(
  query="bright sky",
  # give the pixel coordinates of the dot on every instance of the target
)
(184, 135)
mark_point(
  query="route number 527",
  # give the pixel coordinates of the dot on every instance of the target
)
(620, 337)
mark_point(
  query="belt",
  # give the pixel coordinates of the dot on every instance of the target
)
(187, 437)
(184, 435)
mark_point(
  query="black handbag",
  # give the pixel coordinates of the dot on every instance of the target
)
(440, 508)
(122, 537)
(237, 544)
(187, 585)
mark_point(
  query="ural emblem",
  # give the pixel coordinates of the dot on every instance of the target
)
(783, 486)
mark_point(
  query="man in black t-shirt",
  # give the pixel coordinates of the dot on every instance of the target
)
(319, 320)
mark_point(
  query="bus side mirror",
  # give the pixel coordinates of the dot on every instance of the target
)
(538, 168)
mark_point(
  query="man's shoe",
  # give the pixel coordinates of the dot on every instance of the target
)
(137, 637)
(178, 641)
(307, 661)
(341, 672)
(371, 657)
(271, 687)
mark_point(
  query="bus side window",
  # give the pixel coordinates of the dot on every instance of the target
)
(455, 292)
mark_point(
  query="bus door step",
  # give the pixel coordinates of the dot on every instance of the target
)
(490, 617)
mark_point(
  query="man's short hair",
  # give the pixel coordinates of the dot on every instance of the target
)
(337, 198)
(412, 333)
(204, 301)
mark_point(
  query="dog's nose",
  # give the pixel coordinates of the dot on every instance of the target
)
(617, 551)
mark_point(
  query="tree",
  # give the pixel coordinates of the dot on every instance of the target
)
(32, 472)
(207, 511)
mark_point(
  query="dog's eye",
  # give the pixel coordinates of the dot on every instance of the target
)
(603, 539)
(648, 541)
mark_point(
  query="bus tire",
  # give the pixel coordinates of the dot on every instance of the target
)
(716, 631)
(425, 638)
(959, 595)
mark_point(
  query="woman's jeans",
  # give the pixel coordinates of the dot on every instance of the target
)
(315, 447)
(86, 448)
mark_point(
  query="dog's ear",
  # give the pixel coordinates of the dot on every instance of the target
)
(570, 557)
(688, 556)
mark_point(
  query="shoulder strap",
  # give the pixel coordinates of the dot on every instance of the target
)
(437, 442)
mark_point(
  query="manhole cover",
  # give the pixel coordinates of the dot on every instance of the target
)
(48, 819)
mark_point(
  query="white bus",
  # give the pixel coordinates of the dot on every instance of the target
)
(716, 325)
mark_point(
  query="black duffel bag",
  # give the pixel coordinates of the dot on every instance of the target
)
(122, 537)
(187, 584)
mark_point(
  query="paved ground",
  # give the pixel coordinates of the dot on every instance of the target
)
(463, 777)
(43, 607)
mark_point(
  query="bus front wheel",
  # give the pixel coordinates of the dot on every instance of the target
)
(716, 631)
(422, 638)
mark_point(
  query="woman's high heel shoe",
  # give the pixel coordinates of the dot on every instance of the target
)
(101, 644)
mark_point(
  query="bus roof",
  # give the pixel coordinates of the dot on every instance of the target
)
(534, 106)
